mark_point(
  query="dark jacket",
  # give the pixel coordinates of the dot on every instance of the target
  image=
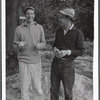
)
(73, 40)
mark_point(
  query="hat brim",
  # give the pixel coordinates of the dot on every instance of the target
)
(71, 16)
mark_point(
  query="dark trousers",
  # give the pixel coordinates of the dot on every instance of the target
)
(62, 70)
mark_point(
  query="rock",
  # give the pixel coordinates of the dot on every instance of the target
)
(84, 66)
(82, 90)
(9, 97)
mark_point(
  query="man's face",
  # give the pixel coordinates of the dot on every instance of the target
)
(63, 20)
(29, 15)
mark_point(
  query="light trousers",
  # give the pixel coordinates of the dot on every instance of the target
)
(30, 77)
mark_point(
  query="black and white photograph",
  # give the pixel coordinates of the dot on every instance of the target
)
(99, 48)
(50, 49)
(0, 58)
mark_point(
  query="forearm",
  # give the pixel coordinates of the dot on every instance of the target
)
(77, 52)
(19, 45)
(16, 47)
(63, 53)
(41, 45)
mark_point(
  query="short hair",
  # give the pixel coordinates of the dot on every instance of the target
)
(28, 7)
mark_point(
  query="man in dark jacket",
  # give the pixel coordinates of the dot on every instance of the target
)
(69, 44)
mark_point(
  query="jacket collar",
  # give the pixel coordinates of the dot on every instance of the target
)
(71, 27)
(26, 24)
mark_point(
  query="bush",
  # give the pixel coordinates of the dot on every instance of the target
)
(11, 63)
(88, 48)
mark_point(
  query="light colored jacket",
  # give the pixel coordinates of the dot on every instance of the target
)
(31, 34)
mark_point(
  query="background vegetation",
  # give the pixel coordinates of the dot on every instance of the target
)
(46, 15)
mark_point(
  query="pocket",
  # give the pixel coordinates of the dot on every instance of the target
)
(64, 65)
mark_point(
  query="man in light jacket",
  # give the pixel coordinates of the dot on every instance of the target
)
(28, 40)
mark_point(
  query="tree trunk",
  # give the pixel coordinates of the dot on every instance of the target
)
(11, 25)
(12, 21)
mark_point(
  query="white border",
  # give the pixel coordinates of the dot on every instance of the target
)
(3, 51)
(95, 59)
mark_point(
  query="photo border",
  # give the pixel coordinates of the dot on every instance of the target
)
(95, 53)
(96, 69)
(3, 25)
(99, 47)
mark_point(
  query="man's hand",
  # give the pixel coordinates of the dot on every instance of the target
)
(22, 45)
(55, 50)
(63, 53)
(41, 46)
(38, 46)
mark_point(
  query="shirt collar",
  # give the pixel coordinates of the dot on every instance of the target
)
(33, 23)
(69, 28)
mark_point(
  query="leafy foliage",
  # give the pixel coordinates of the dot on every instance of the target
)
(47, 56)
(46, 15)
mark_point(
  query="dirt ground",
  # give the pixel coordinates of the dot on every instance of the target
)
(82, 90)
